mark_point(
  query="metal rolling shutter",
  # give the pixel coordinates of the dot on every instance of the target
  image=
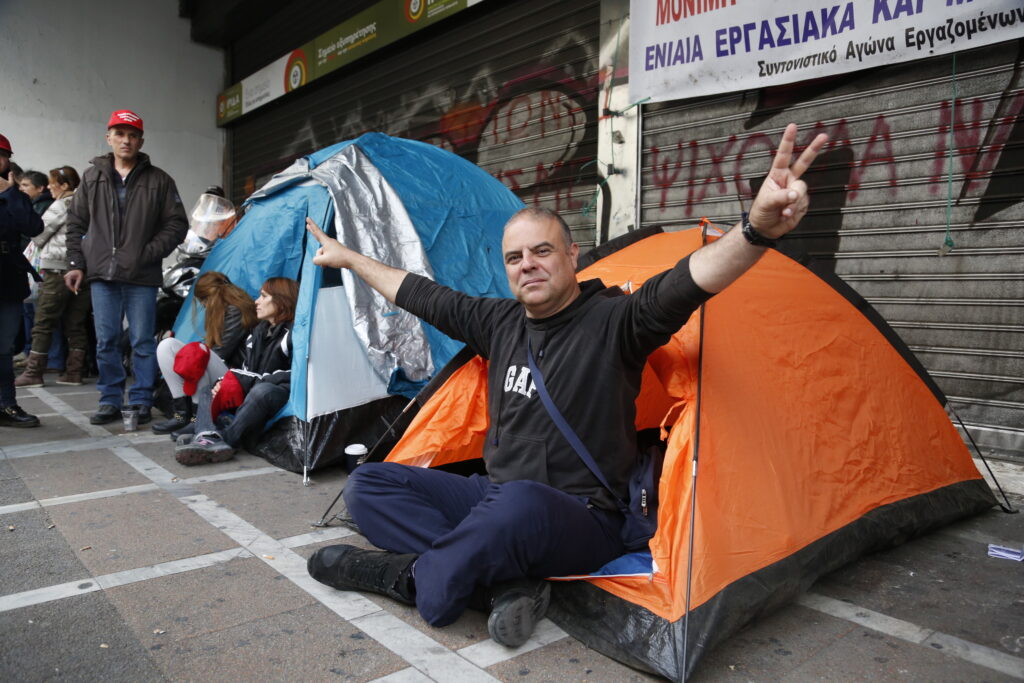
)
(511, 87)
(880, 197)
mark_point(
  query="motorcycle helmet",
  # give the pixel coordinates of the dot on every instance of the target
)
(212, 217)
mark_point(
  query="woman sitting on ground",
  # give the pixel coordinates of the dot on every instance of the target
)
(260, 387)
(230, 315)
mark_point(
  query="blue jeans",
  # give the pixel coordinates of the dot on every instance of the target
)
(10, 325)
(112, 302)
(262, 402)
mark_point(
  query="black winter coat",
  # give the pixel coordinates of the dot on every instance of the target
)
(17, 221)
(124, 248)
(268, 356)
(592, 354)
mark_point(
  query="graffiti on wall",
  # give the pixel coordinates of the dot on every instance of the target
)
(533, 128)
(978, 140)
(983, 147)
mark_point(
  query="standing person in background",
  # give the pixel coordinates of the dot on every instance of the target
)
(16, 174)
(133, 217)
(36, 186)
(230, 314)
(56, 304)
(17, 220)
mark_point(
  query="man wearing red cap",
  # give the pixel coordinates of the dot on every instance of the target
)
(17, 219)
(131, 212)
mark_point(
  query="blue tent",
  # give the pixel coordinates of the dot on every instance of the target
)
(406, 203)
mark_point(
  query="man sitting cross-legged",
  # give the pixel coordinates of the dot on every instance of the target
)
(452, 542)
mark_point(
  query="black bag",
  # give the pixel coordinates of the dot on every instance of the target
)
(642, 516)
(641, 513)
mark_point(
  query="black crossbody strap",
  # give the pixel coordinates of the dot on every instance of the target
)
(563, 426)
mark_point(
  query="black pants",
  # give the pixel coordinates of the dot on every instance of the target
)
(260, 404)
(472, 532)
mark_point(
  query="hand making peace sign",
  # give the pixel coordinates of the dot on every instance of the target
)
(782, 200)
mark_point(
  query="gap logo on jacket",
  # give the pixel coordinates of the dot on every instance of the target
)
(517, 379)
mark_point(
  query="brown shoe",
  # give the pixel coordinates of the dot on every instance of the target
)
(73, 373)
(33, 375)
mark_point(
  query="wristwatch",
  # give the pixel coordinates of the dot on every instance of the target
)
(753, 236)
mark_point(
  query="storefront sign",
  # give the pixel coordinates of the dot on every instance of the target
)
(689, 48)
(370, 30)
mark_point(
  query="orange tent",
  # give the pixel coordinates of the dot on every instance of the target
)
(817, 437)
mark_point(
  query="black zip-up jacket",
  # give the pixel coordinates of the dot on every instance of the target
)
(17, 221)
(268, 356)
(592, 356)
(232, 334)
(124, 248)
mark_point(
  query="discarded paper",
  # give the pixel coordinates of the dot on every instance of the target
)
(1004, 553)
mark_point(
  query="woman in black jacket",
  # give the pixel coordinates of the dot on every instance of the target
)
(230, 315)
(259, 388)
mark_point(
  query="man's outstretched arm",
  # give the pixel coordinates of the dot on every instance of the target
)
(334, 254)
(777, 209)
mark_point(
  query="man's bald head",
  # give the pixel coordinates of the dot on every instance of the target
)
(541, 214)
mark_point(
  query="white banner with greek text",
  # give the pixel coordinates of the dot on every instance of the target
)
(690, 48)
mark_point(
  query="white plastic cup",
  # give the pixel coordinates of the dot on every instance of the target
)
(356, 449)
(355, 454)
(130, 418)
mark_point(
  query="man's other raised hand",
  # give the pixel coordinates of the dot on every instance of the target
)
(782, 200)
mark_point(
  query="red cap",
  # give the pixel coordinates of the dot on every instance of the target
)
(123, 117)
(6, 144)
(190, 364)
(230, 395)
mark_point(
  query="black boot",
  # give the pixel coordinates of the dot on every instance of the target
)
(14, 416)
(516, 607)
(349, 568)
(181, 416)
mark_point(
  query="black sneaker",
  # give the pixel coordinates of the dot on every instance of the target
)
(518, 606)
(14, 416)
(105, 414)
(349, 568)
(202, 449)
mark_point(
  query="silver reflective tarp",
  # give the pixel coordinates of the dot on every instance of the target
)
(371, 219)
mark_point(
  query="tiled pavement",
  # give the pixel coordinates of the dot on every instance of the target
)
(120, 564)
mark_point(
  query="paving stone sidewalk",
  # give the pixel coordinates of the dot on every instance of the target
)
(119, 564)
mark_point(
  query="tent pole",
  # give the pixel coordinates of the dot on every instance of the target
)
(1008, 508)
(693, 479)
(305, 454)
(365, 458)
